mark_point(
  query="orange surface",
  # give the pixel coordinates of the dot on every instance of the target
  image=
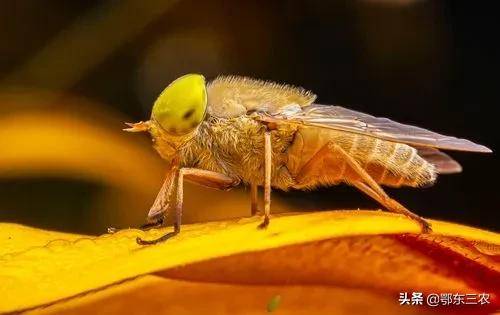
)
(338, 262)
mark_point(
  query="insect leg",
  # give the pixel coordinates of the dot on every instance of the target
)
(312, 166)
(371, 188)
(198, 176)
(156, 214)
(178, 214)
(209, 179)
(393, 205)
(267, 179)
(366, 183)
(254, 191)
(160, 205)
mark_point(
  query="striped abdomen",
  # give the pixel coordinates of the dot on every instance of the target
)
(388, 163)
(392, 164)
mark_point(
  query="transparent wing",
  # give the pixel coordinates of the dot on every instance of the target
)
(443, 162)
(339, 118)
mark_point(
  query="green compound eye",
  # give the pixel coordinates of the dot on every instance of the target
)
(180, 108)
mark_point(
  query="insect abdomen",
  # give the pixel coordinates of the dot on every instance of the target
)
(396, 164)
(388, 163)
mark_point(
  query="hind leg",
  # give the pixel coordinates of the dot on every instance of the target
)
(332, 154)
(393, 206)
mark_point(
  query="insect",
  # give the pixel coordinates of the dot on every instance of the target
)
(237, 130)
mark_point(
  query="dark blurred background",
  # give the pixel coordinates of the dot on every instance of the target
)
(72, 71)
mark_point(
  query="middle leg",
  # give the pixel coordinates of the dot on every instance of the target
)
(254, 192)
(267, 179)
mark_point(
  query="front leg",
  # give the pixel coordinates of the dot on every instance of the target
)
(197, 176)
(157, 212)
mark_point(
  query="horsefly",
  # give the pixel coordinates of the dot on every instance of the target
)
(236, 130)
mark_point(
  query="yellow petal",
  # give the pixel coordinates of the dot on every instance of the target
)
(367, 250)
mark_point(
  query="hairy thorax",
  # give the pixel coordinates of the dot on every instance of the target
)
(235, 147)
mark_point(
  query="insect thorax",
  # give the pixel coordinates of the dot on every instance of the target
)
(235, 147)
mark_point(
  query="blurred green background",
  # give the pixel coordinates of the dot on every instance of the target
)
(71, 72)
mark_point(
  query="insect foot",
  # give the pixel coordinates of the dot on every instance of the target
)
(163, 238)
(264, 224)
(177, 229)
(426, 226)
